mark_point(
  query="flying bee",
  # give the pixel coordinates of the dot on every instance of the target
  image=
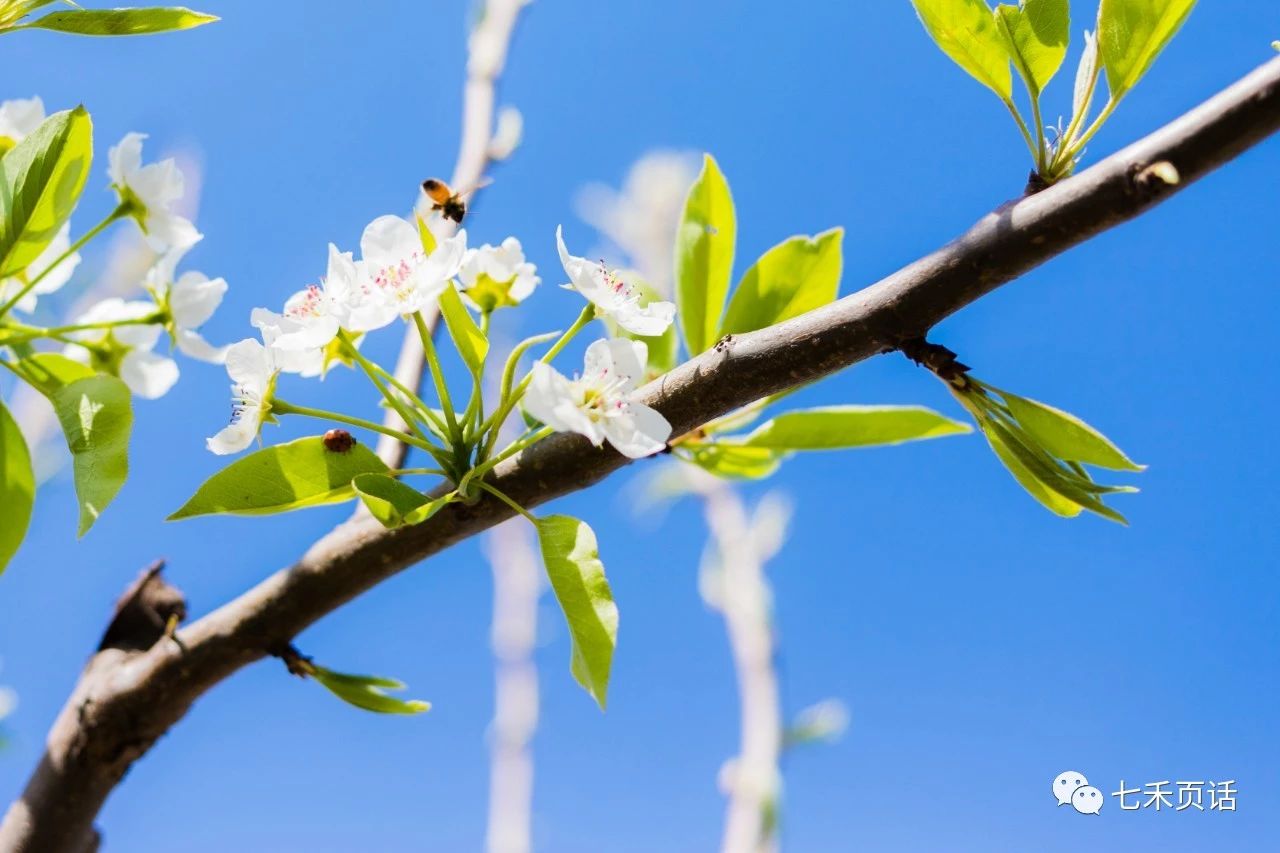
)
(448, 202)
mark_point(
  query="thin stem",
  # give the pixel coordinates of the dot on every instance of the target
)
(1022, 126)
(426, 472)
(417, 401)
(588, 314)
(506, 500)
(120, 212)
(396, 403)
(30, 333)
(1093, 128)
(437, 376)
(282, 407)
(1041, 148)
(531, 437)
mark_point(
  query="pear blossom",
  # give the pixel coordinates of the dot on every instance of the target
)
(150, 191)
(497, 276)
(17, 119)
(53, 279)
(253, 370)
(188, 301)
(314, 315)
(125, 351)
(613, 297)
(404, 278)
(599, 404)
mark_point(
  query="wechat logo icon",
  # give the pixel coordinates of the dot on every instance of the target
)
(1072, 788)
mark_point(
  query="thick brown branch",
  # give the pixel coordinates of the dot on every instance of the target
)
(125, 702)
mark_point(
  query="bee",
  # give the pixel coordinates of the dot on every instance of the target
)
(448, 202)
(339, 441)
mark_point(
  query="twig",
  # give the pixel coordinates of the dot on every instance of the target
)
(119, 710)
(487, 54)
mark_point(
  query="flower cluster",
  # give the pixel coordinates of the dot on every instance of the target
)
(118, 336)
(403, 271)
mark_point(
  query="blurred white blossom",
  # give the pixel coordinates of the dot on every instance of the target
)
(151, 191)
(641, 218)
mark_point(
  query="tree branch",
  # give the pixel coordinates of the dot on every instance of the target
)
(126, 701)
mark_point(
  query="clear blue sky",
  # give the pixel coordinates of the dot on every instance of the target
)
(982, 645)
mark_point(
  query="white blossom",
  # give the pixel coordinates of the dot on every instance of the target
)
(599, 405)
(53, 279)
(253, 370)
(151, 190)
(612, 296)
(494, 276)
(403, 278)
(18, 118)
(125, 351)
(189, 300)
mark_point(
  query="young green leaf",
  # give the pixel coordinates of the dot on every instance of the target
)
(394, 503)
(1050, 499)
(1066, 436)
(96, 416)
(426, 236)
(1131, 34)
(704, 256)
(1036, 34)
(40, 182)
(664, 349)
(367, 691)
(732, 461)
(472, 345)
(121, 22)
(793, 277)
(842, 427)
(17, 487)
(285, 477)
(966, 30)
(572, 558)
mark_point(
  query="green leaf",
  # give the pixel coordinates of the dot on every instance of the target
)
(96, 416)
(17, 487)
(704, 256)
(842, 427)
(122, 22)
(394, 503)
(1049, 498)
(663, 349)
(1069, 485)
(472, 345)
(1036, 34)
(733, 461)
(1131, 34)
(573, 564)
(40, 181)
(285, 477)
(966, 30)
(426, 236)
(1066, 436)
(793, 277)
(367, 691)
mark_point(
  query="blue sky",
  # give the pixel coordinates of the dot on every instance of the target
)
(982, 645)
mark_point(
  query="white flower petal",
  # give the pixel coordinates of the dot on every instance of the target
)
(125, 158)
(194, 297)
(235, 437)
(148, 374)
(198, 348)
(388, 240)
(650, 321)
(249, 363)
(641, 432)
(19, 117)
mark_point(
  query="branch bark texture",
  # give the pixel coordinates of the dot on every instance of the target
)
(125, 702)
